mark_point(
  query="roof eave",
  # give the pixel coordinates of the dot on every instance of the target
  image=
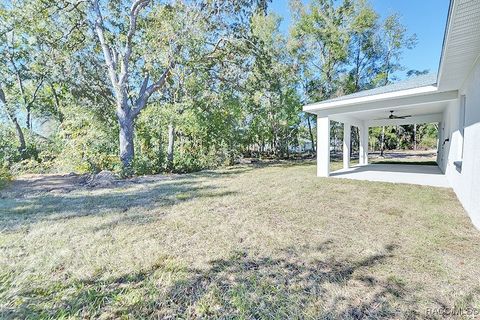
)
(444, 43)
(312, 108)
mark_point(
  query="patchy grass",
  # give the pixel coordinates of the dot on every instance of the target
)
(248, 242)
(336, 164)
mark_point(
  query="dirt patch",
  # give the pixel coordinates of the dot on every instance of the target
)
(102, 179)
(35, 184)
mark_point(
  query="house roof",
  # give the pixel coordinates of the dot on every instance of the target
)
(413, 87)
(411, 83)
(461, 45)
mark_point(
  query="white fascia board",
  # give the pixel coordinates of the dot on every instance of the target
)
(361, 100)
(390, 104)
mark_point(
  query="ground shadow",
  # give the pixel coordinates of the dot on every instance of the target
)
(59, 197)
(405, 162)
(425, 155)
(157, 193)
(242, 286)
(395, 167)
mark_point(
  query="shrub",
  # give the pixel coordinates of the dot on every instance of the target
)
(5, 176)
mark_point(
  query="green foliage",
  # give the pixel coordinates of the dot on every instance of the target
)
(236, 89)
(37, 157)
(403, 137)
(88, 138)
(8, 148)
(5, 176)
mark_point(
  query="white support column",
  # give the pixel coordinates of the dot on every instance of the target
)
(323, 146)
(346, 145)
(440, 153)
(363, 156)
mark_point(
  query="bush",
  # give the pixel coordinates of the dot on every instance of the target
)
(5, 176)
(428, 142)
(87, 146)
(31, 166)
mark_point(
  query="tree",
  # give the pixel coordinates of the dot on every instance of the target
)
(126, 68)
(220, 79)
(24, 69)
(322, 40)
(320, 43)
(11, 115)
(365, 48)
(118, 60)
(271, 86)
(395, 40)
(416, 73)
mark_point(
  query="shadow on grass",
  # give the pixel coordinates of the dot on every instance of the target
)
(18, 212)
(242, 286)
(41, 199)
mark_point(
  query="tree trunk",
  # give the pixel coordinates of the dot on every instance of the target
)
(21, 138)
(126, 144)
(171, 145)
(285, 152)
(29, 117)
(57, 103)
(335, 141)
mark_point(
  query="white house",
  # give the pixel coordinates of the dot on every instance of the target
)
(450, 98)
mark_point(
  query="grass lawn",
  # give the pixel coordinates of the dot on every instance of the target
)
(249, 242)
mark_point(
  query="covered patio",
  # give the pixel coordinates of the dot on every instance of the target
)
(414, 101)
(426, 175)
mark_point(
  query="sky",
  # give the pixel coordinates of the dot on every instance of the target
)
(425, 18)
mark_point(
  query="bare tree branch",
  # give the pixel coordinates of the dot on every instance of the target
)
(143, 88)
(146, 92)
(158, 84)
(2, 96)
(135, 9)
(99, 29)
(39, 85)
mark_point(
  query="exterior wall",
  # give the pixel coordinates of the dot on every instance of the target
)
(465, 182)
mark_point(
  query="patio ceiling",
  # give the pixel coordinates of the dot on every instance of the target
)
(415, 110)
(424, 113)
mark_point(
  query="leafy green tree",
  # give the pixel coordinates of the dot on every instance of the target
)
(321, 42)
(323, 39)
(271, 87)
(365, 48)
(24, 68)
(394, 39)
(220, 79)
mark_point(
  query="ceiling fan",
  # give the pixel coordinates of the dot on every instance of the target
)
(393, 117)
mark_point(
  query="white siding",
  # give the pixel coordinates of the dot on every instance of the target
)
(467, 182)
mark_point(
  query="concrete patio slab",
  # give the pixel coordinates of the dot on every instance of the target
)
(396, 173)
